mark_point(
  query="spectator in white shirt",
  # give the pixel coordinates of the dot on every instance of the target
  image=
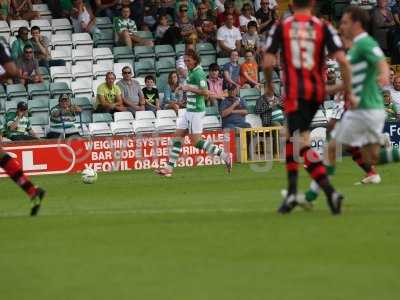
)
(395, 92)
(228, 37)
(246, 16)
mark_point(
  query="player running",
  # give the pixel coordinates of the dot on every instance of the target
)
(192, 120)
(9, 164)
(363, 124)
(303, 40)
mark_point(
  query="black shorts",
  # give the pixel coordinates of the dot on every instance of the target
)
(301, 118)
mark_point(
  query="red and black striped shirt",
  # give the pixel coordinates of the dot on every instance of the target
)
(303, 40)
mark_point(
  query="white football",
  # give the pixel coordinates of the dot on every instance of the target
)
(89, 176)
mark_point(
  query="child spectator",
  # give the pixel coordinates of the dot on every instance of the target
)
(215, 85)
(162, 28)
(249, 71)
(390, 108)
(250, 39)
(18, 126)
(151, 94)
(232, 70)
(268, 107)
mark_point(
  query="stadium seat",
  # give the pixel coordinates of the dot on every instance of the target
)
(82, 126)
(123, 54)
(144, 52)
(147, 35)
(39, 120)
(145, 115)
(164, 51)
(64, 54)
(16, 92)
(12, 105)
(166, 114)
(58, 88)
(251, 108)
(102, 118)
(277, 85)
(118, 69)
(44, 72)
(104, 23)
(99, 129)
(212, 111)
(82, 87)
(16, 24)
(5, 30)
(123, 116)
(39, 107)
(82, 41)
(86, 118)
(43, 9)
(103, 56)
(254, 120)
(105, 39)
(145, 67)
(82, 56)
(250, 94)
(162, 81)
(61, 26)
(61, 74)
(207, 60)
(96, 84)
(100, 70)
(38, 90)
(3, 98)
(52, 102)
(121, 128)
(143, 126)
(82, 71)
(61, 41)
(211, 123)
(206, 49)
(222, 61)
(179, 50)
(165, 65)
(165, 125)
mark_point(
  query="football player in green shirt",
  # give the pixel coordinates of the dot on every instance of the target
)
(192, 120)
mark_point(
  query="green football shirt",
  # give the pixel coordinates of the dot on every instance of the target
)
(364, 56)
(198, 79)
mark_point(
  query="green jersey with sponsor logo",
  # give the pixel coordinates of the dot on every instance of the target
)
(364, 56)
(198, 79)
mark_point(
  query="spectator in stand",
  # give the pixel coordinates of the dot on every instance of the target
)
(269, 108)
(29, 67)
(187, 29)
(228, 38)
(17, 47)
(151, 96)
(272, 4)
(18, 126)
(132, 95)
(265, 16)
(83, 19)
(229, 9)
(107, 8)
(166, 7)
(395, 92)
(5, 10)
(191, 9)
(383, 23)
(396, 12)
(40, 45)
(63, 118)
(173, 95)
(232, 70)
(250, 39)
(390, 108)
(126, 30)
(161, 29)
(233, 110)
(246, 16)
(109, 98)
(23, 9)
(215, 85)
(249, 71)
(206, 24)
(149, 17)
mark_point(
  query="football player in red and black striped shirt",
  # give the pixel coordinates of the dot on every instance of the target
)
(303, 40)
(9, 164)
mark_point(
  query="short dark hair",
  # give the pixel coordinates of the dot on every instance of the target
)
(357, 14)
(302, 3)
(252, 24)
(149, 77)
(214, 67)
(35, 28)
(28, 47)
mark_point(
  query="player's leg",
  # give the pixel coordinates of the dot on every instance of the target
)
(14, 171)
(196, 128)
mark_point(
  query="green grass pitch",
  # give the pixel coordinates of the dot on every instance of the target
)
(202, 235)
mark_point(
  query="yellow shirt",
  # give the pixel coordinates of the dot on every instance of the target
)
(107, 93)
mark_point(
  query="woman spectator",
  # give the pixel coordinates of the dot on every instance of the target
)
(383, 23)
(173, 95)
(229, 9)
(23, 9)
(63, 118)
(191, 9)
(246, 16)
(187, 29)
(205, 24)
(215, 86)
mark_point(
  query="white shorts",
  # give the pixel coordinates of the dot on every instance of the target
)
(192, 121)
(361, 127)
(338, 110)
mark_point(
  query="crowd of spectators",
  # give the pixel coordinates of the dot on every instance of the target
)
(238, 29)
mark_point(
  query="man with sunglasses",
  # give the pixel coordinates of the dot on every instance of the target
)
(29, 67)
(265, 16)
(131, 93)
